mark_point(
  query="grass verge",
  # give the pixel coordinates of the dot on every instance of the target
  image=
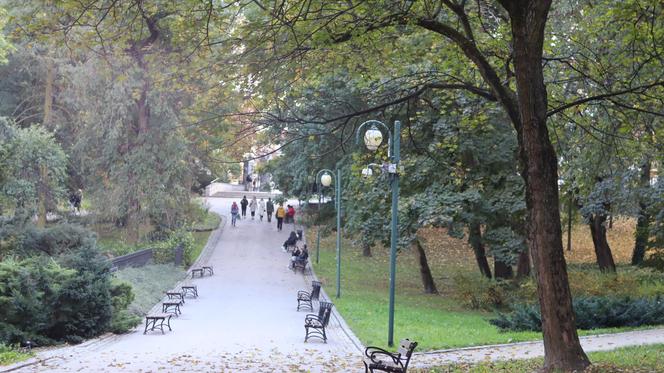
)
(435, 321)
(11, 355)
(149, 284)
(628, 359)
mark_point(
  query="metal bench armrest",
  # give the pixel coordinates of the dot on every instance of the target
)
(374, 353)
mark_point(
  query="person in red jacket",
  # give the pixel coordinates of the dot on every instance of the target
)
(290, 214)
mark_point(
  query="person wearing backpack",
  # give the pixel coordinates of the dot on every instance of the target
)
(235, 211)
(281, 214)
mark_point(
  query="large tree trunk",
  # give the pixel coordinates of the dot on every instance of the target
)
(602, 249)
(366, 249)
(502, 270)
(425, 271)
(475, 241)
(523, 265)
(643, 221)
(540, 172)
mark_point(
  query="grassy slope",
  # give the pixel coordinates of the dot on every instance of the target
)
(149, 284)
(10, 355)
(436, 321)
(629, 359)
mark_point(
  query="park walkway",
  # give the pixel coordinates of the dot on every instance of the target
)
(245, 319)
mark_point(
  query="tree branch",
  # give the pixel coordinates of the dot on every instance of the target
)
(603, 96)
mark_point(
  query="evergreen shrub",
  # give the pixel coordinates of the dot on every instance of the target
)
(164, 251)
(122, 296)
(475, 291)
(591, 313)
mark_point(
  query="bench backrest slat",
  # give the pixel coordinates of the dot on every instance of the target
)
(324, 312)
(315, 291)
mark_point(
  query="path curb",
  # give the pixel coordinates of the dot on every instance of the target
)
(335, 313)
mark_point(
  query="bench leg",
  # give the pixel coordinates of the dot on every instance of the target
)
(146, 326)
(168, 323)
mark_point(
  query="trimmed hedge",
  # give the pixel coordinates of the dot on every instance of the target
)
(591, 313)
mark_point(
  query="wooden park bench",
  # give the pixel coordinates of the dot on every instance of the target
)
(157, 321)
(305, 299)
(189, 290)
(315, 325)
(171, 308)
(208, 269)
(175, 295)
(377, 359)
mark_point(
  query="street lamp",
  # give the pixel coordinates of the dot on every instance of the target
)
(373, 137)
(326, 180)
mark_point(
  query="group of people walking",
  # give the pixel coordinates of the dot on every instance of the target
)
(264, 209)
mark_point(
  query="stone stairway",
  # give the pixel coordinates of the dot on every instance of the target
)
(240, 194)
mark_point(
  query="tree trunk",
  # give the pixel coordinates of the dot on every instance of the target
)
(425, 271)
(366, 249)
(523, 265)
(569, 222)
(540, 172)
(41, 196)
(475, 241)
(602, 249)
(502, 270)
(46, 122)
(642, 232)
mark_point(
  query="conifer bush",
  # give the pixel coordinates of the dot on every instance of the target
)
(591, 313)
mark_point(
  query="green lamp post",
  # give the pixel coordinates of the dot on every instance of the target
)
(373, 137)
(325, 177)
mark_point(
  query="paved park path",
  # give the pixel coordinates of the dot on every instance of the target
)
(245, 320)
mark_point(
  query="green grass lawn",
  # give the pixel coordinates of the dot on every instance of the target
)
(11, 355)
(435, 321)
(149, 284)
(629, 359)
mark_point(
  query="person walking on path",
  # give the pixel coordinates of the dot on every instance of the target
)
(261, 208)
(244, 202)
(253, 205)
(234, 213)
(281, 214)
(270, 209)
(291, 214)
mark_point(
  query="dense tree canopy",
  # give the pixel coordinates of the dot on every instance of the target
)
(508, 107)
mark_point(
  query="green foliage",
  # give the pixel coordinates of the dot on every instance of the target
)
(5, 46)
(45, 301)
(591, 313)
(589, 282)
(474, 291)
(33, 164)
(57, 288)
(164, 251)
(121, 297)
(12, 354)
